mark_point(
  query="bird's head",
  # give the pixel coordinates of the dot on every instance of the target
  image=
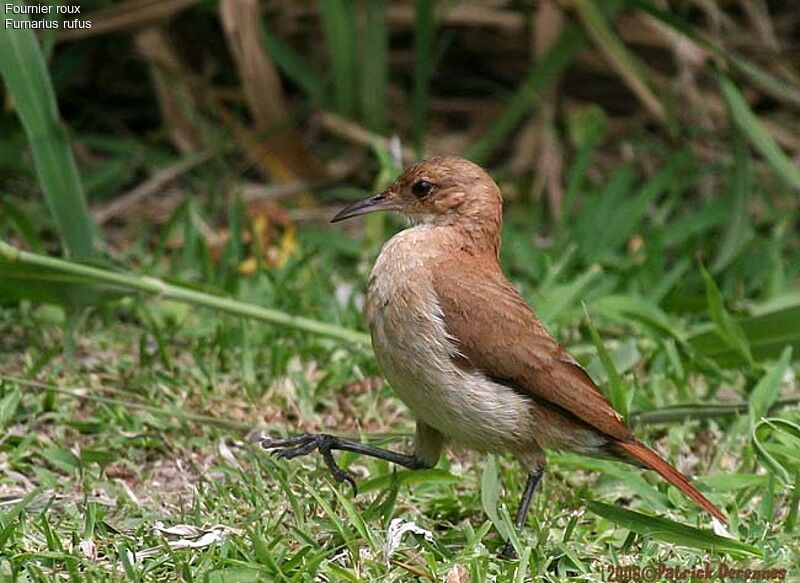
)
(439, 191)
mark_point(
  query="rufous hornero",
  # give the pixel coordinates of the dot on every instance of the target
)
(464, 351)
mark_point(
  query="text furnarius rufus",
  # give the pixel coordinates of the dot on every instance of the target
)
(463, 349)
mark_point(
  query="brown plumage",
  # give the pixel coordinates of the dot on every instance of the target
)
(463, 349)
(497, 333)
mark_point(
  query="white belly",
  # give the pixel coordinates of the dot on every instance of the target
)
(416, 355)
(465, 407)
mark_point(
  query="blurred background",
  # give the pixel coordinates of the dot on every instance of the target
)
(169, 155)
(210, 141)
(283, 108)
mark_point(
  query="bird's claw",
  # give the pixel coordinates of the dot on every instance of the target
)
(304, 444)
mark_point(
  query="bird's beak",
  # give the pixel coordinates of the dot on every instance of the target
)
(373, 204)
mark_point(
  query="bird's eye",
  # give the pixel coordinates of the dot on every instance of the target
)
(421, 188)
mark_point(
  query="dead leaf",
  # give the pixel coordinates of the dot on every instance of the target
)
(398, 527)
(227, 454)
(186, 536)
(458, 574)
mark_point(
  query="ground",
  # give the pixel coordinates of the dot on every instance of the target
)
(125, 452)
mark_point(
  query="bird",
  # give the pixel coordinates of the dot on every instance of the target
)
(463, 349)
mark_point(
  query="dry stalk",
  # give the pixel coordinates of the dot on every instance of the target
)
(176, 97)
(122, 205)
(263, 93)
(357, 134)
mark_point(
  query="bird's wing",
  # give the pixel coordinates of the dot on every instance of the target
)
(497, 333)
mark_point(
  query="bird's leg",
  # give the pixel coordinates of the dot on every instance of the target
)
(508, 551)
(324, 443)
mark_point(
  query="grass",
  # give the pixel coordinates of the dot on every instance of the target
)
(128, 386)
(28, 82)
(116, 431)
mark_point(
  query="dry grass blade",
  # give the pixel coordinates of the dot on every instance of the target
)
(357, 134)
(413, 569)
(464, 15)
(264, 155)
(93, 394)
(703, 108)
(548, 25)
(260, 82)
(262, 89)
(253, 192)
(776, 87)
(127, 16)
(549, 162)
(174, 92)
(121, 205)
(758, 14)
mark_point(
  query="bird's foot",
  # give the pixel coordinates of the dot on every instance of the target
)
(304, 444)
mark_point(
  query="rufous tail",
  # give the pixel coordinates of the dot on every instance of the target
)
(653, 461)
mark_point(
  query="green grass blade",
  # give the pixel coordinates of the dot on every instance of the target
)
(490, 496)
(25, 73)
(7, 519)
(632, 309)
(561, 297)
(685, 411)
(408, 478)
(791, 453)
(22, 223)
(615, 389)
(338, 23)
(771, 85)
(424, 33)
(794, 505)
(8, 407)
(375, 66)
(768, 388)
(672, 532)
(695, 224)
(619, 214)
(11, 257)
(738, 232)
(630, 477)
(763, 142)
(294, 65)
(730, 482)
(340, 527)
(728, 329)
(768, 334)
(52, 286)
(356, 519)
(597, 240)
(525, 98)
(587, 127)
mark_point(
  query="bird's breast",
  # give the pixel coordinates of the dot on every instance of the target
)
(417, 355)
(401, 307)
